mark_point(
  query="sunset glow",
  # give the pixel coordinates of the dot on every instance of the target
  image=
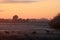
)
(42, 9)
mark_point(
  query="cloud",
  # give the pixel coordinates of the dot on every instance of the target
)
(21, 0)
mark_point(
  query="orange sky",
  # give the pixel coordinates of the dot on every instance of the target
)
(42, 9)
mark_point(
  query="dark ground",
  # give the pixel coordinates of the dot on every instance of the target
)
(27, 37)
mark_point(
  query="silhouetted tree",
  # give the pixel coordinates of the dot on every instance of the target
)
(15, 18)
(20, 20)
(55, 22)
(27, 20)
(23, 20)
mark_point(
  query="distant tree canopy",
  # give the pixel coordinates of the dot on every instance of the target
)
(55, 22)
(15, 17)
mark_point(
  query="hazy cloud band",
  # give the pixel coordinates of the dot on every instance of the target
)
(22, 0)
(25, 1)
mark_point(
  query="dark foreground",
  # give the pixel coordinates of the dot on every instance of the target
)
(28, 38)
(17, 35)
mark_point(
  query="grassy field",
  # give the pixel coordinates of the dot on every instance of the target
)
(18, 35)
(25, 31)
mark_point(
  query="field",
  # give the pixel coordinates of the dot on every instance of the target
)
(26, 31)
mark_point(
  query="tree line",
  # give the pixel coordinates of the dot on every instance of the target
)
(55, 22)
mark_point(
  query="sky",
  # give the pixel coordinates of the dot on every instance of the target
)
(29, 9)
